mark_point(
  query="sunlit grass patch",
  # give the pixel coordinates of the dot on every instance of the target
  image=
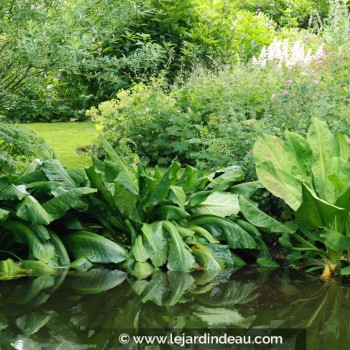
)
(65, 139)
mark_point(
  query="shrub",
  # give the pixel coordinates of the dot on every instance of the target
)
(18, 146)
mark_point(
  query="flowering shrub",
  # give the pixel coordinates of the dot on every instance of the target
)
(282, 54)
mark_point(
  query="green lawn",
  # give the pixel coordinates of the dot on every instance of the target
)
(65, 138)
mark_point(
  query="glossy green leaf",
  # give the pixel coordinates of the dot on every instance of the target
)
(138, 250)
(59, 205)
(142, 270)
(169, 212)
(224, 256)
(299, 155)
(13, 192)
(97, 181)
(180, 257)
(315, 212)
(25, 235)
(204, 257)
(97, 249)
(324, 147)
(335, 240)
(274, 170)
(177, 196)
(218, 203)
(60, 250)
(247, 189)
(204, 233)
(224, 178)
(225, 230)
(155, 243)
(55, 172)
(32, 211)
(192, 180)
(259, 219)
(161, 190)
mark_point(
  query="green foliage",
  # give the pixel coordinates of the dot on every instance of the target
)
(111, 213)
(312, 176)
(60, 58)
(288, 13)
(213, 118)
(18, 146)
(184, 219)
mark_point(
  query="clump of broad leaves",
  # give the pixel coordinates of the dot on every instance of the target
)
(138, 218)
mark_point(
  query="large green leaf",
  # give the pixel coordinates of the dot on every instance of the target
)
(31, 210)
(315, 212)
(246, 188)
(13, 192)
(60, 250)
(324, 147)
(177, 196)
(97, 249)
(58, 206)
(218, 203)
(225, 230)
(274, 170)
(170, 212)
(180, 257)
(259, 219)
(224, 178)
(192, 180)
(55, 172)
(155, 243)
(205, 257)
(125, 187)
(96, 178)
(138, 250)
(224, 256)
(299, 155)
(161, 190)
(335, 240)
(25, 235)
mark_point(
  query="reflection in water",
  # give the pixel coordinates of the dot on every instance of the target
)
(87, 310)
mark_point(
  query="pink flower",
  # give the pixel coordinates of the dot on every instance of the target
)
(273, 96)
(285, 92)
(316, 81)
(348, 140)
(288, 82)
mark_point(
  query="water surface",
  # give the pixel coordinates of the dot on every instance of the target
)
(88, 310)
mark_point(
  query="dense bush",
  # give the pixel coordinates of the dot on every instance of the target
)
(289, 13)
(18, 146)
(213, 118)
(60, 58)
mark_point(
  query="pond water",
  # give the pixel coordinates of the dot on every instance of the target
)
(76, 310)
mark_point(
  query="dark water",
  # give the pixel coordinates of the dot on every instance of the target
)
(89, 310)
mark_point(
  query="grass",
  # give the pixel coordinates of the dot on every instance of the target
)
(65, 138)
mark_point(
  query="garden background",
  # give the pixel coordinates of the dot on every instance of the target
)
(182, 85)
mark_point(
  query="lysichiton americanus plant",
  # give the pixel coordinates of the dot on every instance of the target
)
(133, 217)
(312, 175)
